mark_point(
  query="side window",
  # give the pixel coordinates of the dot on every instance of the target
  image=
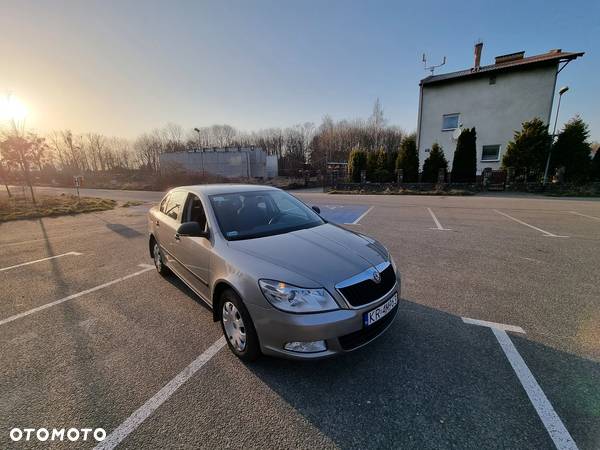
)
(490, 153)
(195, 211)
(163, 203)
(175, 204)
(450, 122)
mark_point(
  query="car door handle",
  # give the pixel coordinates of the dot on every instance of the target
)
(177, 237)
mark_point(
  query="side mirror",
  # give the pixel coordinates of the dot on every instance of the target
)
(316, 209)
(192, 229)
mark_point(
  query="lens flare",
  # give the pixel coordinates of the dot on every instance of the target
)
(11, 108)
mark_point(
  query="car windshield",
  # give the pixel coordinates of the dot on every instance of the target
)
(247, 215)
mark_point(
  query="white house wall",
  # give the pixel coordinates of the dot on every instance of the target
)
(495, 110)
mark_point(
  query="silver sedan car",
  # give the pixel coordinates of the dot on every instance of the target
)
(282, 280)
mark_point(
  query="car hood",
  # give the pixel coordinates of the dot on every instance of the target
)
(326, 254)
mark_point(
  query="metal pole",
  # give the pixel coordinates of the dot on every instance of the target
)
(552, 143)
(197, 130)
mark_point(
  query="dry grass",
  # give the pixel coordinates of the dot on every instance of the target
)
(451, 192)
(131, 203)
(18, 208)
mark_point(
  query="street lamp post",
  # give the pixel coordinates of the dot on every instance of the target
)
(197, 130)
(560, 94)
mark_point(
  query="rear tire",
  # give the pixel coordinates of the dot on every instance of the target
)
(159, 261)
(238, 327)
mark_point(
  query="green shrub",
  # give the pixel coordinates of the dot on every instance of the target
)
(408, 159)
(595, 168)
(464, 163)
(357, 161)
(434, 162)
(572, 151)
(372, 163)
(529, 148)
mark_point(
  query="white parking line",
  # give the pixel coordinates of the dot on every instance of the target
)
(146, 410)
(40, 260)
(584, 215)
(362, 215)
(544, 232)
(147, 267)
(554, 426)
(498, 326)
(437, 222)
(556, 429)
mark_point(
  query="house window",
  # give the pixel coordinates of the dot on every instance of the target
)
(450, 122)
(490, 153)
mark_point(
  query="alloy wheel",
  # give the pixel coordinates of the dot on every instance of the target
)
(157, 257)
(234, 326)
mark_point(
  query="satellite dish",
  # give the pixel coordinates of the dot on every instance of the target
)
(456, 133)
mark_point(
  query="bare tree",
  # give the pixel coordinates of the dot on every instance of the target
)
(4, 168)
(171, 136)
(21, 149)
(377, 122)
(147, 149)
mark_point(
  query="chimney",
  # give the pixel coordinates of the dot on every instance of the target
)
(509, 57)
(478, 49)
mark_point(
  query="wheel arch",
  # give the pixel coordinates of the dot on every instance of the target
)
(151, 242)
(219, 287)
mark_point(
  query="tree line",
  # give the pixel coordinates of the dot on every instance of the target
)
(569, 156)
(71, 153)
(371, 145)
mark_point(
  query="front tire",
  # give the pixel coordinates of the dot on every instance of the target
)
(159, 261)
(238, 327)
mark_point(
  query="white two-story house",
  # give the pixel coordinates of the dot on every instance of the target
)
(495, 99)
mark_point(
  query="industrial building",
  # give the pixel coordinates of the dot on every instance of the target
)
(243, 162)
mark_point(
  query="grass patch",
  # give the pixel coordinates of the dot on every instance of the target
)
(451, 192)
(47, 206)
(573, 193)
(131, 203)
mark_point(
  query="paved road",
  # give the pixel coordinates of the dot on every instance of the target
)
(431, 381)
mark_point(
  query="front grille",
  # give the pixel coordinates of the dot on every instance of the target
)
(368, 291)
(360, 337)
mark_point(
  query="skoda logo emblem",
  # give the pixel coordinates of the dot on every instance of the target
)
(376, 277)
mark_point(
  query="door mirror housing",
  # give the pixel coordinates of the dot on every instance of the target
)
(192, 229)
(316, 209)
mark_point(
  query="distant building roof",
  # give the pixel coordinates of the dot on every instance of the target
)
(220, 149)
(512, 61)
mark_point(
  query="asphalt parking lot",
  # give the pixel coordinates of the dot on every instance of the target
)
(93, 337)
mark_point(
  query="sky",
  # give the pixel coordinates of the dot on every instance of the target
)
(122, 68)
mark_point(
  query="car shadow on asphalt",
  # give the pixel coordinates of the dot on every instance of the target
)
(430, 381)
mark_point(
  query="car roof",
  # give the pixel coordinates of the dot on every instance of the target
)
(215, 189)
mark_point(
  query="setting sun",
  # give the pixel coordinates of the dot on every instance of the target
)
(11, 108)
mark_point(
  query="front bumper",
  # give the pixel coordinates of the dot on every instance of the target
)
(342, 330)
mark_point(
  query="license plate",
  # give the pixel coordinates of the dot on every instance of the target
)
(369, 318)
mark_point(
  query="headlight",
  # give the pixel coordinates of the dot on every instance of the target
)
(295, 299)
